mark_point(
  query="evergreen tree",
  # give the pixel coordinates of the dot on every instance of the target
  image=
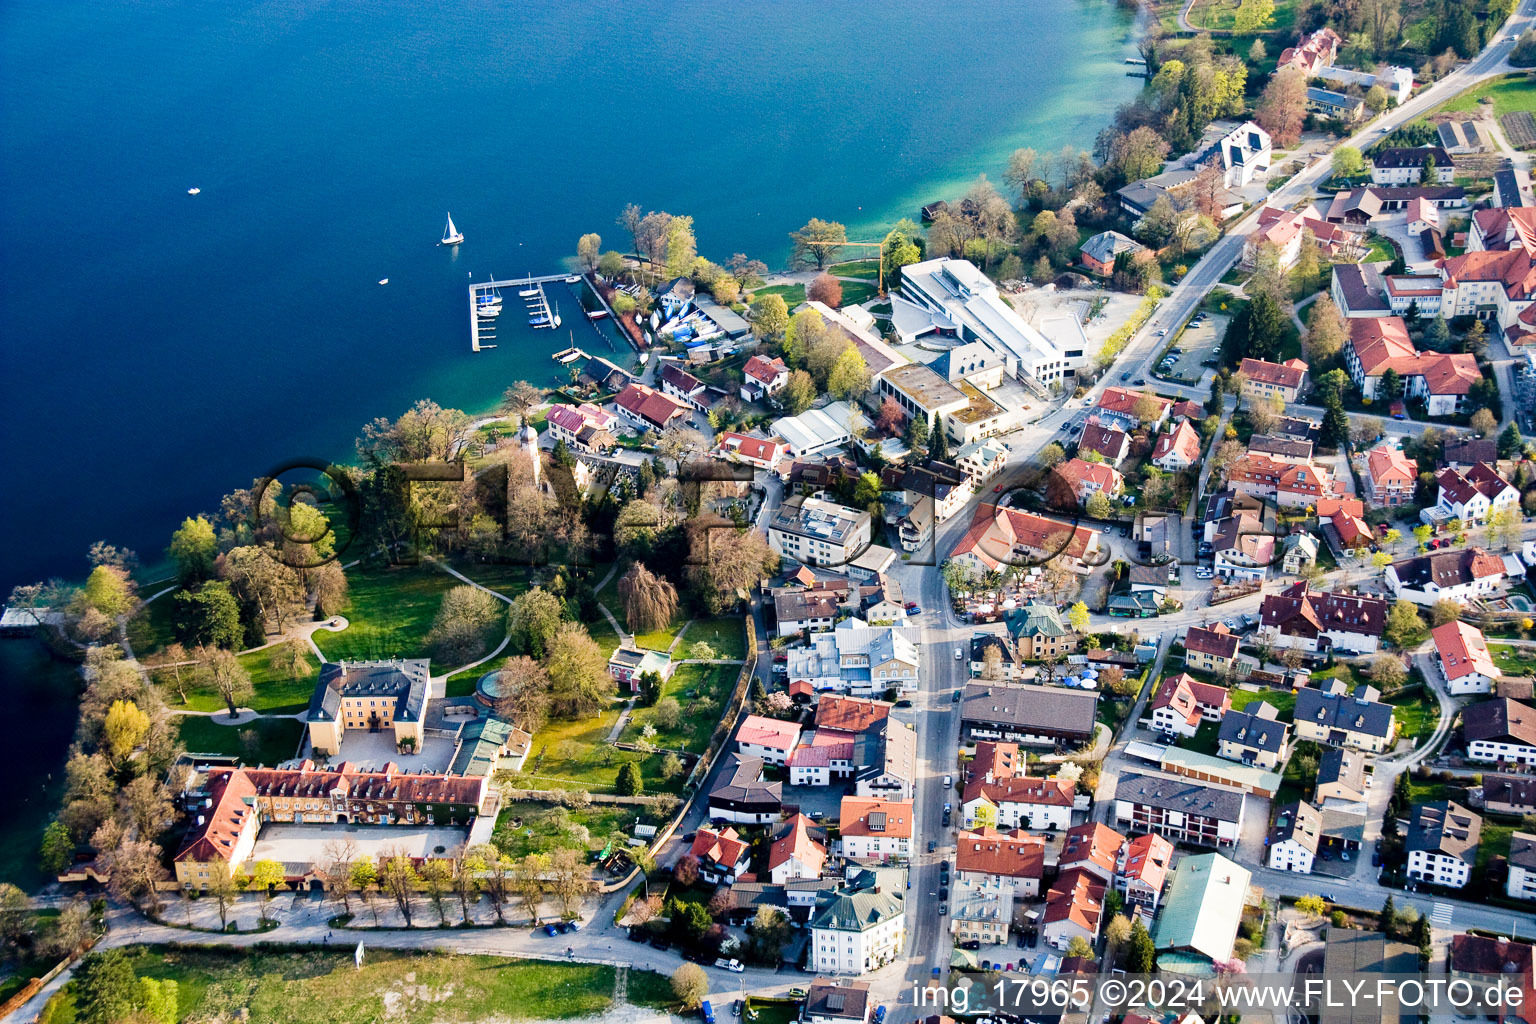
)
(629, 782)
(1388, 917)
(938, 446)
(1335, 425)
(1213, 404)
(1143, 955)
(1511, 444)
(917, 432)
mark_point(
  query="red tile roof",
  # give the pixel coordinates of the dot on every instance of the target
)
(1463, 651)
(990, 852)
(1091, 843)
(1123, 400)
(1218, 642)
(851, 714)
(1076, 896)
(1288, 374)
(856, 811)
(996, 531)
(765, 371)
(768, 732)
(797, 843)
(650, 405)
(1107, 441)
(228, 791)
(725, 848)
(1182, 440)
(1147, 859)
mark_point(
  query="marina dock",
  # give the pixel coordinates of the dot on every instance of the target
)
(482, 331)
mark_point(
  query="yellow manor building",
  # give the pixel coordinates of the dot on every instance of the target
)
(373, 695)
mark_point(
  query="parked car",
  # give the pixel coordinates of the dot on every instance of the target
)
(956, 698)
(879, 1017)
(944, 894)
(734, 966)
(707, 1012)
(1140, 382)
(550, 930)
(736, 1008)
(946, 819)
(943, 909)
(932, 846)
(970, 944)
(949, 780)
(904, 703)
(1123, 378)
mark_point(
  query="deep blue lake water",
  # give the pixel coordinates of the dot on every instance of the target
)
(161, 349)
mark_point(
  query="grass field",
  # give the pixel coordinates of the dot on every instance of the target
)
(793, 294)
(264, 741)
(1512, 660)
(866, 270)
(1509, 93)
(1494, 843)
(389, 612)
(1282, 701)
(577, 755)
(712, 682)
(276, 692)
(312, 987)
(727, 635)
(581, 828)
(1417, 715)
(150, 630)
(855, 292)
(1221, 15)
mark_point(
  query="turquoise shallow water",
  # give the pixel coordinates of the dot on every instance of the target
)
(161, 349)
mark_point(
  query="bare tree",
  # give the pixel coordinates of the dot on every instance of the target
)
(336, 871)
(497, 879)
(228, 676)
(650, 601)
(398, 878)
(523, 687)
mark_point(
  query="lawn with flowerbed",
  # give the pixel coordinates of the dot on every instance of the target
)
(701, 691)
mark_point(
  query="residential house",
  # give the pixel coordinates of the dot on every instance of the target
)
(855, 657)
(942, 485)
(1074, 908)
(1293, 839)
(1335, 104)
(645, 408)
(1500, 731)
(885, 760)
(1005, 800)
(1031, 715)
(1039, 632)
(873, 829)
(1465, 452)
(1521, 884)
(1359, 290)
(1379, 346)
(1082, 480)
(1001, 537)
(1182, 702)
(1465, 664)
(763, 453)
(1006, 659)
(1255, 737)
(741, 796)
(1117, 407)
(1398, 166)
(678, 383)
(837, 1002)
(1472, 496)
(805, 611)
(1178, 449)
(1421, 292)
(1099, 252)
(857, 932)
(1390, 476)
(817, 532)
(1501, 227)
(1243, 546)
(1509, 794)
(767, 738)
(1181, 810)
(851, 714)
(1141, 870)
(1281, 449)
(1460, 576)
(1300, 553)
(1341, 777)
(1202, 911)
(1423, 216)
(1287, 231)
(1490, 285)
(1109, 443)
(1442, 843)
(627, 664)
(992, 871)
(584, 428)
(1312, 53)
(1242, 153)
(1331, 715)
(1287, 484)
(981, 462)
(1317, 621)
(722, 854)
(795, 853)
(1093, 848)
(763, 377)
(1265, 378)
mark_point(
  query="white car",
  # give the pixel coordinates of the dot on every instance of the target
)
(959, 654)
(734, 966)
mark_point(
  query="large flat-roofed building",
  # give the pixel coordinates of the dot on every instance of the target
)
(370, 695)
(816, 532)
(953, 297)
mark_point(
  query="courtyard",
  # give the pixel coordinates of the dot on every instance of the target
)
(308, 844)
(371, 751)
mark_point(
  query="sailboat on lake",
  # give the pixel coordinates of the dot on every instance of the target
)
(451, 234)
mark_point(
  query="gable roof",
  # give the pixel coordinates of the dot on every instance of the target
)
(1182, 440)
(1288, 374)
(1106, 441)
(795, 843)
(990, 852)
(1218, 641)
(1447, 568)
(995, 532)
(1499, 720)
(764, 371)
(851, 714)
(871, 816)
(1463, 651)
(725, 848)
(1447, 828)
(649, 404)
(1091, 843)
(1147, 859)
(768, 732)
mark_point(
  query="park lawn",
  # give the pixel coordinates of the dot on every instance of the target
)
(866, 270)
(1512, 660)
(688, 684)
(151, 629)
(554, 827)
(275, 739)
(507, 580)
(792, 294)
(1417, 715)
(389, 613)
(726, 634)
(577, 755)
(275, 692)
(855, 292)
(660, 639)
(1509, 93)
(313, 986)
(1282, 701)
(462, 683)
(605, 635)
(1221, 15)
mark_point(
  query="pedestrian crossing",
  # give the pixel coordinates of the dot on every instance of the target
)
(1440, 914)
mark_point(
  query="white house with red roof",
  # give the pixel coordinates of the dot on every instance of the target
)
(1311, 53)
(875, 829)
(996, 793)
(585, 427)
(1089, 478)
(1182, 702)
(1379, 344)
(767, 738)
(723, 856)
(763, 377)
(1287, 484)
(1421, 291)
(1142, 869)
(764, 453)
(1491, 285)
(1117, 407)
(1286, 230)
(992, 870)
(1465, 664)
(1265, 378)
(1093, 847)
(678, 383)
(795, 853)
(1178, 449)
(1074, 908)
(1472, 496)
(645, 408)
(1389, 475)
(1001, 537)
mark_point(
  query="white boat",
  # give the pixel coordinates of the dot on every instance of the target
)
(193, 191)
(383, 280)
(488, 312)
(528, 293)
(451, 234)
(573, 279)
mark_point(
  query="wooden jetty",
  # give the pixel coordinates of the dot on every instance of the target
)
(482, 333)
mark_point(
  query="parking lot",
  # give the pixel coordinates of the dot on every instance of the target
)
(1198, 344)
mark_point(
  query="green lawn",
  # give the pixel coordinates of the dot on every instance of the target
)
(855, 292)
(1379, 249)
(1283, 701)
(727, 635)
(704, 682)
(1220, 14)
(1204, 740)
(1427, 791)
(276, 692)
(1494, 843)
(389, 612)
(577, 755)
(793, 294)
(552, 827)
(322, 987)
(1512, 660)
(606, 636)
(866, 270)
(150, 630)
(1417, 715)
(510, 580)
(1509, 93)
(264, 741)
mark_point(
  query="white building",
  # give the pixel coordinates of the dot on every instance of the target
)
(1460, 576)
(1442, 843)
(1464, 661)
(1500, 730)
(1242, 153)
(876, 830)
(816, 532)
(857, 932)
(856, 658)
(1522, 867)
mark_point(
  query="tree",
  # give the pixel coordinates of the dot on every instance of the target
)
(589, 248)
(148, 803)
(818, 241)
(519, 398)
(123, 729)
(159, 1001)
(799, 393)
(533, 618)
(578, 673)
(917, 432)
(1335, 425)
(208, 616)
(629, 782)
(690, 985)
(229, 677)
(1077, 617)
(106, 990)
(825, 289)
(1256, 331)
(1387, 671)
(1445, 610)
(938, 440)
(650, 601)
(1143, 955)
(337, 869)
(1314, 905)
(1504, 527)
(16, 921)
(849, 376)
(1051, 455)
(680, 248)
(1253, 16)
(898, 250)
(109, 591)
(1511, 444)
(1098, 506)
(1483, 423)
(267, 875)
(467, 618)
(1347, 162)
(769, 315)
(398, 878)
(194, 549)
(435, 875)
(526, 882)
(57, 850)
(1404, 627)
(223, 887)
(1282, 109)
(1079, 947)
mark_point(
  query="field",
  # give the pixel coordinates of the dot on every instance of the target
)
(865, 270)
(313, 986)
(1220, 15)
(726, 635)
(1283, 701)
(276, 692)
(1509, 93)
(707, 682)
(582, 828)
(389, 612)
(1417, 715)
(150, 630)
(1513, 660)
(262, 741)
(792, 294)
(577, 755)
